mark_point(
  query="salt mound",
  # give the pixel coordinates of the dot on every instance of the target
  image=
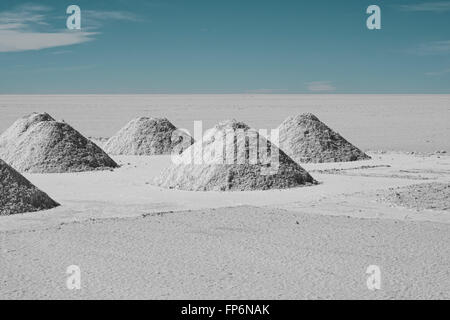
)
(18, 195)
(228, 158)
(306, 139)
(147, 136)
(39, 144)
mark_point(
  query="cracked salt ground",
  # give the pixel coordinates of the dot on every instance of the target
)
(154, 257)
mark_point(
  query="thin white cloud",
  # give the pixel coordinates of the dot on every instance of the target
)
(23, 17)
(95, 19)
(18, 40)
(432, 48)
(438, 73)
(21, 29)
(68, 68)
(267, 91)
(439, 6)
(320, 86)
(110, 15)
(60, 52)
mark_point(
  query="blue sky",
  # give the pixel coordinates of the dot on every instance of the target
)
(211, 46)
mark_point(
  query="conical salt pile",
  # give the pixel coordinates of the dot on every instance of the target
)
(148, 136)
(18, 195)
(39, 144)
(233, 157)
(306, 139)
